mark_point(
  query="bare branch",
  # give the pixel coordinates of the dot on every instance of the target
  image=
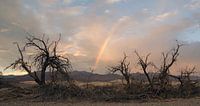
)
(46, 58)
(123, 68)
(144, 63)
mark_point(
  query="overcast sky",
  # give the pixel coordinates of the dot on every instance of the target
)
(98, 32)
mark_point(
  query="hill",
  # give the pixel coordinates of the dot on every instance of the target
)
(84, 76)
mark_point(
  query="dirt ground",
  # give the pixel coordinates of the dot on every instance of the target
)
(10, 96)
(171, 102)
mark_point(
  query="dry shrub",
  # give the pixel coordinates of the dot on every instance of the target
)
(59, 91)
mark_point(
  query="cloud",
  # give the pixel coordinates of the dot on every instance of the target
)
(194, 4)
(79, 53)
(4, 30)
(3, 50)
(124, 18)
(15, 20)
(67, 1)
(194, 49)
(164, 16)
(71, 11)
(113, 1)
(50, 3)
(107, 11)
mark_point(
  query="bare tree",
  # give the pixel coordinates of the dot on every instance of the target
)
(123, 68)
(187, 84)
(185, 77)
(169, 59)
(45, 58)
(1, 77)
(144, 63)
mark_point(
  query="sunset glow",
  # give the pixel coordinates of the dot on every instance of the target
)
(96, 33)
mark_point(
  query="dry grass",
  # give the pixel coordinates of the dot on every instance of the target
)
(171, 102)
(98, 94)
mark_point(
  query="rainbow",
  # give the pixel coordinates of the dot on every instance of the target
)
(106, 42)
(102, 49)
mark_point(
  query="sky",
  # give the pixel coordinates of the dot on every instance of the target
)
(96, 33)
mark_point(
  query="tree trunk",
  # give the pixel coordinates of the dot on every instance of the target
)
(148, 78)
(43, 77)
(43, 71)
(128, 82)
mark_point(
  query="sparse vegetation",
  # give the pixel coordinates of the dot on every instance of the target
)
(46, 59)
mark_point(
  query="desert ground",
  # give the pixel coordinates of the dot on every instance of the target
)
(171, 102)
(9, 101)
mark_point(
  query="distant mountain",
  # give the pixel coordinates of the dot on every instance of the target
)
(75, 75)
(84, 76)
(91, 77)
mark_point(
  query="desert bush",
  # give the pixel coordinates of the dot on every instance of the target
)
(59, 91)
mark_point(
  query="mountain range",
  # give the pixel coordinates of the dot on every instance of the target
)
(84, 76)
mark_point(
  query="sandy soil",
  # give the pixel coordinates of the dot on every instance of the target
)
(171, 102)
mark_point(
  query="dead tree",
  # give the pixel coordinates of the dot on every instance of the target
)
(169, 59)
(144, 63)
(185, 77)
(123, 68)
(1, 74)
(187, 85)
(44, 58)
